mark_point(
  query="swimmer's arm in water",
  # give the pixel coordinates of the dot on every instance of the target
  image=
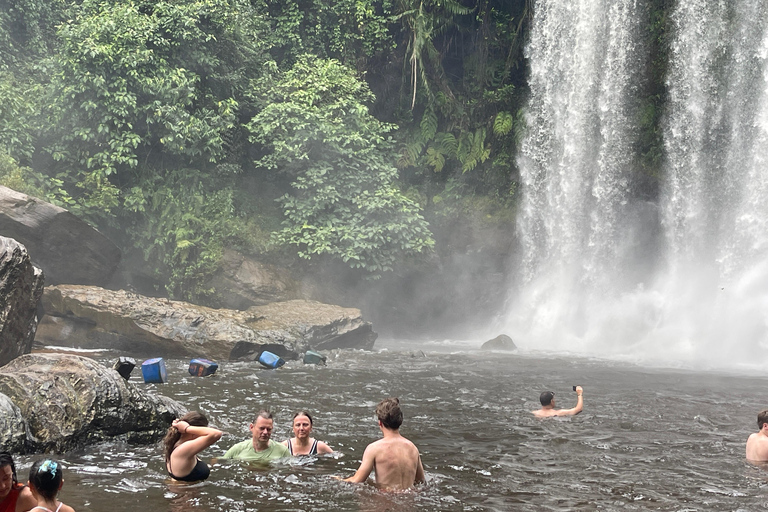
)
(420, 476)
(365, 469)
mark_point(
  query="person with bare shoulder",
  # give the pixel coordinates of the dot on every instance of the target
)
(757, 444)
(548, 410)
(14, 496)
(394, 459)
(185, 439)
(304, 443)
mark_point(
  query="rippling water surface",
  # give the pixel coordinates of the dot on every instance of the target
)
(648, 439)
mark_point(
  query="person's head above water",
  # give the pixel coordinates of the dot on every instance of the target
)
(303, 413)
(45, 477)
(7, 460)
(389, 413)
(546, 398)
(762, 418)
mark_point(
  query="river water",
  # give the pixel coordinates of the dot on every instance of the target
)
(648, 439)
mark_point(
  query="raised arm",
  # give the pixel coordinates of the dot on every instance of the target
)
(366, 466)
(204, 437)
(579, 404)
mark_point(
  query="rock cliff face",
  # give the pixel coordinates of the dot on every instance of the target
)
(60, 402)
(92, 317)
(66, 248)
(21, 286)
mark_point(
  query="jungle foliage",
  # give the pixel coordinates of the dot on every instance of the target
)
(147, 118)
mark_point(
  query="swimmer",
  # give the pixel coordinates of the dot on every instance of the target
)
(302, 443)
(14, 497)
(757, 444)
(45, 482)
(260, 447)
(395, 459)
(548, 410)
(186, 438)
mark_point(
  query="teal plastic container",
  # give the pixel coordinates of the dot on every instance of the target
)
(154, 371)
(202, 367)
(271, 360)
(312, 357)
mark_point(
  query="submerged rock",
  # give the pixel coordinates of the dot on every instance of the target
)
(21, 286)
(69, 401)
(91, 317)
(500, 342)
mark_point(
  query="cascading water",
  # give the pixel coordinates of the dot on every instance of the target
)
(603, 273)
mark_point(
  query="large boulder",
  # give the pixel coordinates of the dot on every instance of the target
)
(500, 342)
(91, 317)
(66, 248)
(21, 286)
(242, 282)
(69, 401)
(14, 433)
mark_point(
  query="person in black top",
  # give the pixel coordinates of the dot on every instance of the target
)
(186, 438)
(303, 443)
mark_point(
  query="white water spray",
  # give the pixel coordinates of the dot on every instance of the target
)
(595, 278)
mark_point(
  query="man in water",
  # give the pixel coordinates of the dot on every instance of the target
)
(395, 459)
(260, 447)
(547, 410)
(14, 497)
(757, 444)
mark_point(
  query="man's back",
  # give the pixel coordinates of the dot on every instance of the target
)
(396, 462)
(757, 447)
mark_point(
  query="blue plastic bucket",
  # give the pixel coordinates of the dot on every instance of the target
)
(271, 360)
(312, 357)
(154, 371)
(202, 367)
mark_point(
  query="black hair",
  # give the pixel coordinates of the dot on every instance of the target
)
(546, 397)
(7, 460)
(45, 476)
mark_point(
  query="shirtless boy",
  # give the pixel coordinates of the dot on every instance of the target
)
(394, 459)
(757, 444)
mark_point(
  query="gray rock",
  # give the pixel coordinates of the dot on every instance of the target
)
(70, 401)
(21, 286)
(66, 248)
(91, 317)
(14, 433)
(500, 342)
(242, 282)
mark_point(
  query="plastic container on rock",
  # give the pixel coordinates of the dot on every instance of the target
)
(124, 367)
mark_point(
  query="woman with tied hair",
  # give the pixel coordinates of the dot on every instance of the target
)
(45, 481)
(14, 497)
(186, 438)
(303, 444)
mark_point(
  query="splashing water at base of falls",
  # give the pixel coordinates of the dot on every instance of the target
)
(683, 280)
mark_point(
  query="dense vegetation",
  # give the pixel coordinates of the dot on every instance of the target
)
(331, 129)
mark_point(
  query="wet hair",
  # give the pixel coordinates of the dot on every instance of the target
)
(45, 476)
(389, 413)
(762, 418)
(194, 418)
(7, 460)
(302, 413)
(263, 414)
(546, 397)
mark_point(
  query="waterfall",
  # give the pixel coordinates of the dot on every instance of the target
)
(683, 280)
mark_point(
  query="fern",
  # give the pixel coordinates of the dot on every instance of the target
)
(502, 125)
(428, 125)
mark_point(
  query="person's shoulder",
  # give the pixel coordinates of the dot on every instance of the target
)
(26, 499)
(66, 508)
(238, 448)
(280, 447)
